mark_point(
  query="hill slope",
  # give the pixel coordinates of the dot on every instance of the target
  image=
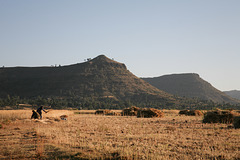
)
(189, 85)
(233, 94)
(97, 78)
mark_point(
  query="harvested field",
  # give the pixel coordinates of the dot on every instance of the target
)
(89, 136)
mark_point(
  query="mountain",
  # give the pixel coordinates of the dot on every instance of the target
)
(234, 94)
(189, 85)
(100, 77)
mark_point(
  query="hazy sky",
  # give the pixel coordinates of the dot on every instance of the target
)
(152, 37)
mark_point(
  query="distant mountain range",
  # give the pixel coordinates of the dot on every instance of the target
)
(234, 94)
(190, 85)
(100, 77)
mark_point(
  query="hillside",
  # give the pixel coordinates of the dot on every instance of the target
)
(189, 85)
(100, 77)
(234, 94)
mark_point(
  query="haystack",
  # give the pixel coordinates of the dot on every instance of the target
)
(35, 115)
(113, 114)
(236, 122)
(103, 111)
(149, 113)
(191, 112)
(195, 113)
(130, 111)
(106, 111)
(219, 116)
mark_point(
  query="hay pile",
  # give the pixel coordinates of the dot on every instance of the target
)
(103, 111)
(130, 111)
(113, 114)
(149, 113)
(219, 116)
(191, 112)
(236, 122)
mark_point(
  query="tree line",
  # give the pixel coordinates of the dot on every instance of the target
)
(91, 103)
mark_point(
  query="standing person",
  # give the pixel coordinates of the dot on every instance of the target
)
(39, 110)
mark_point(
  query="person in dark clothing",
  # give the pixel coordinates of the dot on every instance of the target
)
(35, 115)
(39, 111)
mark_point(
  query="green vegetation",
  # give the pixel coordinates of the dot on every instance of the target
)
(109, 103)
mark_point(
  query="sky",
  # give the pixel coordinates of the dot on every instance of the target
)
(151, 37)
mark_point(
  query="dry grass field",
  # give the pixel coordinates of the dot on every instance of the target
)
(90, 136)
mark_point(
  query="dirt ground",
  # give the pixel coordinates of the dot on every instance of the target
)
(89, 136)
